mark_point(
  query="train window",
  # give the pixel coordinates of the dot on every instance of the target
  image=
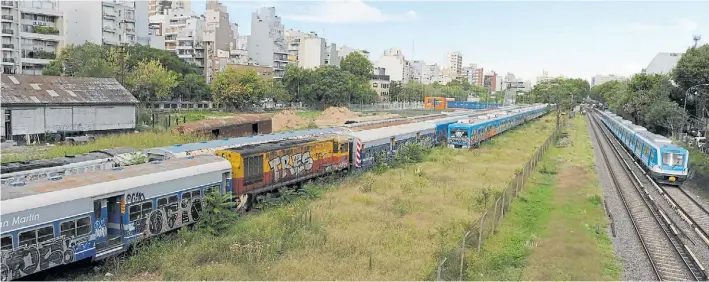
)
(186, 195)
(35, 236)
(6, 243)
(196, 194)
(139, 211)
(343, 148)
(75, 228)
(336, 147)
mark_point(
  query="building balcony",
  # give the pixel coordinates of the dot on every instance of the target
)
(129, 18)
(185, 47)
(8, 60)
(8, 46)
(43, 30)
(199, 55)
(38, 54)
(109, 15)
(8, 31)
(8, 3)
(130, 30)
(7, 17)
(109, 29)
(184, 56)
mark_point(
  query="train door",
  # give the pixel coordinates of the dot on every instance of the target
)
(108, 226)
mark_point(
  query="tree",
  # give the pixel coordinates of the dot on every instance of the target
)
(395, 91)
(238, 88)
(149, 81)
(358, 65)
(691, 70)
(217, 213)
(89, 59)
(276, 91)
(192, 87)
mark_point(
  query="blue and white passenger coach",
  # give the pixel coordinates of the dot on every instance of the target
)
(667, 163)
(95, 215)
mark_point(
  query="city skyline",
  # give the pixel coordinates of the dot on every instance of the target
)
(563, 38)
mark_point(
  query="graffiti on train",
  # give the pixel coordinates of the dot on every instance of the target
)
(168, 217)
(34, 258)
(134, 197)
(290, 165)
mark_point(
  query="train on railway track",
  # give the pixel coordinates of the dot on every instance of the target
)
(98, 214)
(666, 162)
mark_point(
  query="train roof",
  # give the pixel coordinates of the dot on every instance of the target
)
(270, 146)
(645, 135)
(93, 184)
(68, 159)
(241, 141)
(385, 132)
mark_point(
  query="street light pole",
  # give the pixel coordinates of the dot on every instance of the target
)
(686, 95)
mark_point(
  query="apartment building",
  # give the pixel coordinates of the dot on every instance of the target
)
(454, 64)
(395, 65)
(600, 79)
(267, 44)
(218, 35)
(180, 31)
(294, 38)
(331, 57)
(32, 35)
(159, 7)
(381, 83)
(343, 51)
(109, 22)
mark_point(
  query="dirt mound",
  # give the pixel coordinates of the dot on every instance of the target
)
(335, 116)
(288, 119)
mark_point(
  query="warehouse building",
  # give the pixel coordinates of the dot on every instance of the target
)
(36, 107)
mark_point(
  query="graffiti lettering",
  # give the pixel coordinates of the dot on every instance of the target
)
(30, 259)
(168, 217)
(134, 198)
(290, 166)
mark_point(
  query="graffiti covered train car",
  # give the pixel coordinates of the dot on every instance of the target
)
(265, 167)
(98, 214)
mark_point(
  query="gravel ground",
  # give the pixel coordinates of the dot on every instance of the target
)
(697, 188)
(627, 245)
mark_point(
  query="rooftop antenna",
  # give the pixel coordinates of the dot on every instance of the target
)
(696, 39)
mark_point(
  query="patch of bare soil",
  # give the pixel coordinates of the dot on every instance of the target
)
(335, 116)
(288, 119)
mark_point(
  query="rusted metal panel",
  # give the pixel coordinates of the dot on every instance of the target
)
(239, 126)
(31, 90)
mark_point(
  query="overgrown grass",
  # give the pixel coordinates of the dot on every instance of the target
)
(139, 141)
(556, 229)
(698, 161)
(308, 114)
(391, 225)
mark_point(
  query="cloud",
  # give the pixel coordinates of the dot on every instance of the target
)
(682, 25)
(348, 11)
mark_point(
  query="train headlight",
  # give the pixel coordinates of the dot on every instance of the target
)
(672, 179)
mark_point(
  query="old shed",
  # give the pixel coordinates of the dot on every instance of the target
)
(237, 126)
(33, 105)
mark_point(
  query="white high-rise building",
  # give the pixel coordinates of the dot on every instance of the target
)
(312, 52)
(108, 22)
(294, 38)
(267, 43)
(600, 79)
(331, 57)
(33, 33)
(454, 64)
(218, 35)
(160, 7)
(182, 32)
(545, 77)
(395, 65)
(344, 50)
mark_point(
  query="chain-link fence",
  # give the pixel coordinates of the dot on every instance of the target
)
(452, 267)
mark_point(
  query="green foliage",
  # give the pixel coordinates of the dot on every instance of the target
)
(358, 65)
(218, 213)
(560, 91)
(644, 100)
(329, 85)
(238, 88)
(693, 69)
(149, 80)
(93, 60)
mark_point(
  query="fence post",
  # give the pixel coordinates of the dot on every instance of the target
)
(462, 255)
(438, 273)
(494, 217)
(502, 208)
(480, 234)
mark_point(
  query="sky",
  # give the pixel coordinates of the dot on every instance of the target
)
(570, 38)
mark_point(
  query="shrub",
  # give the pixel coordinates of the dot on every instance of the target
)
(217, 213)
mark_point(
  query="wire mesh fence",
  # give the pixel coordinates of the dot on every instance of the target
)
(452, 266)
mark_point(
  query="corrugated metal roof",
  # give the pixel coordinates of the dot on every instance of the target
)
(39, 89)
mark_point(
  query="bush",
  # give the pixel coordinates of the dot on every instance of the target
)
(218, 212)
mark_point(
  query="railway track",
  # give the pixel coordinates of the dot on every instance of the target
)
(689, 210)
(669, 257)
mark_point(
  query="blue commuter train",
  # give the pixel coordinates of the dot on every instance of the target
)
(95, 215)
(667, 163)
(470, 132)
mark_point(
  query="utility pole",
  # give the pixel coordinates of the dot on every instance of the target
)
(696, 39)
